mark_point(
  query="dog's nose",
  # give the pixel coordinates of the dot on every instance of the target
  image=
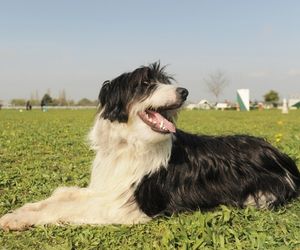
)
(182, 92)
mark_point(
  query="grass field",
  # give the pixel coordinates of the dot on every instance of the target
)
(40, 151)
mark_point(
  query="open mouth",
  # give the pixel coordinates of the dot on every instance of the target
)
(157, 120)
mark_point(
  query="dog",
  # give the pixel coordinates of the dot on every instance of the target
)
(144, 167)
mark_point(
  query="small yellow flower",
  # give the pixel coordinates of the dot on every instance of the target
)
(280, 122)
(278, 137)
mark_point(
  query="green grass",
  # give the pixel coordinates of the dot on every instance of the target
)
(41, 151)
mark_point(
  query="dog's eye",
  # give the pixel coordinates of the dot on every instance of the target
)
(146, 84)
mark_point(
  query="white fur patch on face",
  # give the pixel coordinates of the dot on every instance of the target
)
(163, 96)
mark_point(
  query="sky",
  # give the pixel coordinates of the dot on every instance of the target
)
(76, 45)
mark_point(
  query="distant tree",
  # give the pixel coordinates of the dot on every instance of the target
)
(55, 102)
(85, 102)
(71, 102)
(216, 83)
(62, 99)
(60, 102)
(272, 97)
(47, 100)
(36, 97)
(34, 101)
(18, 102)
(32, 96)
(96, 102)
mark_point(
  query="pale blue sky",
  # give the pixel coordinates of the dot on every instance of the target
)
(76, 45)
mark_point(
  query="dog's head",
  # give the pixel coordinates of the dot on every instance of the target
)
(145, 96)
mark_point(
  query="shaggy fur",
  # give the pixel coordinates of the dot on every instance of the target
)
(144, 167)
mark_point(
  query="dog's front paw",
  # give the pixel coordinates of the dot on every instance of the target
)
(15, 221)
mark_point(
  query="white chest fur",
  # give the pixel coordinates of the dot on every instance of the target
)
(123, 158)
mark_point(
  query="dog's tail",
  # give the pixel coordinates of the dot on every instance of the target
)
(292, 174)
(297, 182)
(295, 177)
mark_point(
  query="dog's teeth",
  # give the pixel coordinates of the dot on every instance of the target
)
(161, 125)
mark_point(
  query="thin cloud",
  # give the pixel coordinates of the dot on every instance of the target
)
(258, 74)
(294, 72)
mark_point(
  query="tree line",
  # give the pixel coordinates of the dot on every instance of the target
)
(50, 101)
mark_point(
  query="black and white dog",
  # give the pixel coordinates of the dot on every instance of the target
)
(145, 167)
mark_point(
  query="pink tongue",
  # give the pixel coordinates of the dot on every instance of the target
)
(159, 118)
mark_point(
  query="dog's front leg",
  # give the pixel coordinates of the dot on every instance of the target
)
(76, 206)
(63, 204)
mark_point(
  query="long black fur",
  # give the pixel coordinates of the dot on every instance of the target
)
(206, 171)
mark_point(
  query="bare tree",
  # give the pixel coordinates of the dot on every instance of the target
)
(62, 98)
(216, 83)
(36, 97)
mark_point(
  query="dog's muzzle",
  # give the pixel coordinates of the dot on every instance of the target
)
(157, 119)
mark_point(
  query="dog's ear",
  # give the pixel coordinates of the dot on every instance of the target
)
(103, 93)
(113, 104)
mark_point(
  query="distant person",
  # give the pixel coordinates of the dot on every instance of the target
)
(44, 105)
(28, 105)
